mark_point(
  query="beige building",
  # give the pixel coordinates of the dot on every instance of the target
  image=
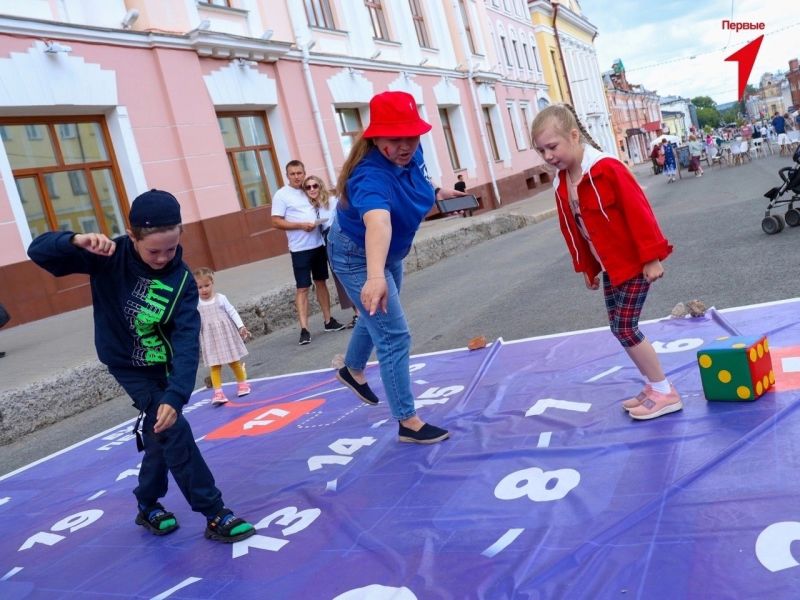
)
(565, 39)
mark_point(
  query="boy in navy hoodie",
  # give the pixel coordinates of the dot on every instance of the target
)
(147, 334)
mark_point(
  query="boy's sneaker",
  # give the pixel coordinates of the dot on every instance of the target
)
(227, 528)
(156, 520)
(353, 322)
(305, 337)
(428, 434)
(362, 390)
(333, 325)
(242, 389)
(657, 404)
(638, 399)
(218, 399)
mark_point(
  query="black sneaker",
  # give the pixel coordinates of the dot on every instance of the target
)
(353, 322)
(359, 389)
(333, 325)
(428, 434)
(305, 337)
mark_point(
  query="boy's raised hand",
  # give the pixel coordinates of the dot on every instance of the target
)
(96, 243)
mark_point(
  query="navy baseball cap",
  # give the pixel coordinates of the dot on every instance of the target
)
(155, 208)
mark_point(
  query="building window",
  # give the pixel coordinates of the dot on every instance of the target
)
(348, 121)
(558, 76)
(319, 13)
(379, 29)
(513, 118)
(516, 52)
(227, 3)
(33, 132)
(527, 58)
(487, 121)
(504, 44)
(536, 58)
(527, 121)
(251, 155)
(449, 139)
(66, 174)
(419, 23)
(463, 8)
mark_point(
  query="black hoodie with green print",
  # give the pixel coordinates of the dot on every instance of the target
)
(146, 322)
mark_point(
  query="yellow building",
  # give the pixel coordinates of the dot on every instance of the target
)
(569, 65)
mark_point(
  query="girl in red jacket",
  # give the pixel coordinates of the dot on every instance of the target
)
(609, 228)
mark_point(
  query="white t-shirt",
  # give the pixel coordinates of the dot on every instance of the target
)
(330, 213)
(293, 205)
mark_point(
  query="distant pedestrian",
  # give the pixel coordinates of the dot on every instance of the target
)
(292, 212)
(657, 156)
(596, 193)
(779, 125)
(384, 193)
(670, 162)
(695, 154)
(147, 332)
(222, 336)
(461, 185)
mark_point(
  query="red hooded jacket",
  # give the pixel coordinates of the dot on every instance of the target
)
(617, 216)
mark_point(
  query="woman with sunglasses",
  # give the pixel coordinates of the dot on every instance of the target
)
(325, 205)
(384, 193)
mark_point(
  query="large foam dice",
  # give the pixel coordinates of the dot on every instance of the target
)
(736, 368)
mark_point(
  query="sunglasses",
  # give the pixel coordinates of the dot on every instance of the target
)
(312, 186)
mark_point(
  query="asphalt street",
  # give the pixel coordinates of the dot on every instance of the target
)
(522, 284)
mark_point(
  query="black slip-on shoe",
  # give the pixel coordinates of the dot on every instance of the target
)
(361, 390)
(428, 434)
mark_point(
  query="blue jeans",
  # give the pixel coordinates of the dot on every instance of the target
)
(386, 332)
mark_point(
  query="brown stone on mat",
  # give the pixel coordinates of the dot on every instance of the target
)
(477, 343)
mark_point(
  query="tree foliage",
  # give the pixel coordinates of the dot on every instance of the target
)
(707, 115)
(704, 102)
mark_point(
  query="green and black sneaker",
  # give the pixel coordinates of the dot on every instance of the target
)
(156, 520)
(227, 528)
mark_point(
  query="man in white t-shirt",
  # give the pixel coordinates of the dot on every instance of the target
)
(292, 212)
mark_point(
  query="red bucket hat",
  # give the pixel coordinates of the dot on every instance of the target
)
(394, 114)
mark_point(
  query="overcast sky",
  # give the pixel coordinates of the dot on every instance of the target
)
(646, 33)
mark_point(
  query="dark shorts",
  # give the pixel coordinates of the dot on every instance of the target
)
(308, 265)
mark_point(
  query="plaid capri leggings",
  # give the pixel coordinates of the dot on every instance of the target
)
(624, 305)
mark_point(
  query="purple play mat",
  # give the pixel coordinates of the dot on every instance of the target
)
(546, 490)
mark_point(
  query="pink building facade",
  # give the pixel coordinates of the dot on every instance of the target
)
(103, 99)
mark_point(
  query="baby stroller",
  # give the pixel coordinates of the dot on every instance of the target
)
(790, 176)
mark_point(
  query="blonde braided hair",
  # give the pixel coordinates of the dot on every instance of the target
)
(566, 120)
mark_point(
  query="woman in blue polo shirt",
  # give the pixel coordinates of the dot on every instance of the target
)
(384, 193)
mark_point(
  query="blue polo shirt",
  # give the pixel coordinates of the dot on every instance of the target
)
(779, 123)
(406, 192)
